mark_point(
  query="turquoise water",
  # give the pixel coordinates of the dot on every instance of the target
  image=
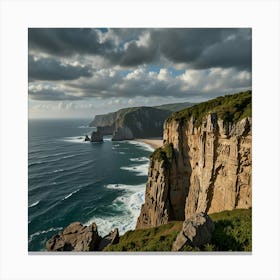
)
(72, 180)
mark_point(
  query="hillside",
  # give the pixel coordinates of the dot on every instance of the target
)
(233, 232)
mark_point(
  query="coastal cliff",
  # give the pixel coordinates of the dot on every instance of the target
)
(205, 163)
(136, 122)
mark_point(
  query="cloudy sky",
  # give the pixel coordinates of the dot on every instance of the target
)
(79, 73)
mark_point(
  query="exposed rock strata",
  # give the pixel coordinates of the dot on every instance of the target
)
(209, 171)
(196, 231)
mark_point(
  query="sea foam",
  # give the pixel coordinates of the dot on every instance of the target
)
(129, 204)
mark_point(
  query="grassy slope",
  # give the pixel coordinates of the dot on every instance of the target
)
(233, 232)
(231, 108)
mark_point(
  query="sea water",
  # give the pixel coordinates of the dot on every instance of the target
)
(72, 180)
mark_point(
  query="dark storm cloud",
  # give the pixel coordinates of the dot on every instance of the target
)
(138, 62)
(199, 47)
(66, 41)
(51, 69)
(50, 95)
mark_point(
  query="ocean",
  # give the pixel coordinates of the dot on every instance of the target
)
(71, 180)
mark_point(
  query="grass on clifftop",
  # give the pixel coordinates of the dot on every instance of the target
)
(164, 153)
(231, 108)
(233, 232)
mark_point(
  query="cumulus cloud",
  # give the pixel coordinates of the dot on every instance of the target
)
(51, 69)
(127, 63)
(49, 93)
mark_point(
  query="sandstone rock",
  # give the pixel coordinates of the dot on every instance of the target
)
(211, 171)
(75, 237)
(112, 238)
(196, 231)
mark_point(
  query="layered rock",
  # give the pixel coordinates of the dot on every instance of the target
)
(75, 237)
(166, 190)
(196, 231)
(209, 170)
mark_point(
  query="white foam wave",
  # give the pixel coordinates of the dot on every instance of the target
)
(31, 237)
(140, 170)
(83, 126)
(142, 145)
(70, 194)
(58, 170)
(69, 156)
(75, 139)
(129, 204)
(139, 159)
(34, 204)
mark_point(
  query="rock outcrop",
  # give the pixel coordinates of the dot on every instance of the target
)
(110, 239)
(196, 231)
(209, 169)
(96, 136)
(87, 138)
(75, 237)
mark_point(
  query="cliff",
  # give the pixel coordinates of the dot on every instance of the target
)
(110, 118)
(136, 122)
(205, 163)
(141, 122)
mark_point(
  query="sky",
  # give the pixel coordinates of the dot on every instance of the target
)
(80, 73)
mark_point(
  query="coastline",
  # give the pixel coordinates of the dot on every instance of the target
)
(153, 142)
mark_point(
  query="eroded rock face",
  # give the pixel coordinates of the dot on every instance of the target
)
(96, 136)
(210, 171)
(112, 238)
(196, 231)
(75, 237)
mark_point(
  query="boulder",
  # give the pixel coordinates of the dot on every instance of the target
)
(196, 231)
(75, 237)
(112, 238)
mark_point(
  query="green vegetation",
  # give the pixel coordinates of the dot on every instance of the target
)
(164, 153)
(233, 232)
(231, 108)
(154, 239)
(174, 106)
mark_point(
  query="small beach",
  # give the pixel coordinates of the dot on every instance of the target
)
(154, 142)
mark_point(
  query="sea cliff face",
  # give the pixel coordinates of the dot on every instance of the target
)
(201, 168)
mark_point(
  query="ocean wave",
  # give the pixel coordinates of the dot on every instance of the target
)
(34, 204)
(75, 139)
(49, 161)
(139, 159)
(31, 237)
(70, 194)
(140, 170)
(83, 126)
(142, 145)
(128, 204)
(58, 170)
(34, 163)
